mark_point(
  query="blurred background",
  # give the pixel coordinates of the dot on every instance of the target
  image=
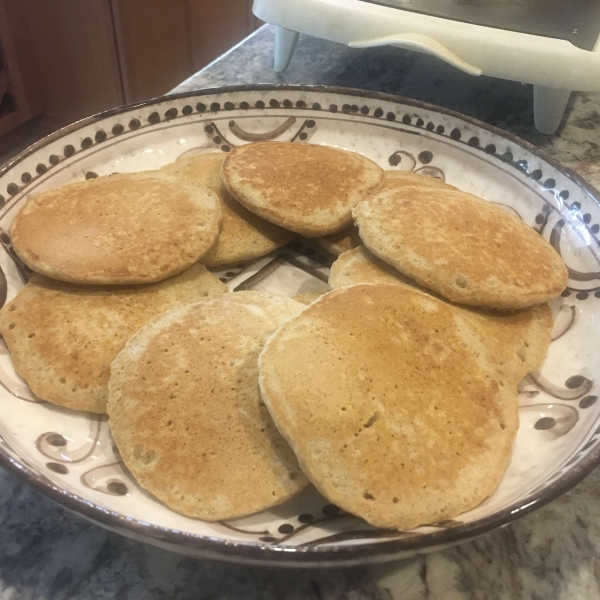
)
(62, 60)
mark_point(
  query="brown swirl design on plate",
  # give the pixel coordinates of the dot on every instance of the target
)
(248, 136)
(565, 321)
(558, 418)
(55, 446)
(576, 386)
(108, 479)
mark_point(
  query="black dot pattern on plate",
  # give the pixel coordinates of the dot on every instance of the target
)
(209, 129)
(316, 106)
(473, 142)
(134, 124)
(507, 157)
(69, 150)
(394, 160)
(223, 279)
(303, 136)
(490, 149)
(440, 129)
(187, 110)
(229, 106)
(91, 175)
(26, 177)
(345, 108)
(310, 124)
(5, 238)
(425, 157)
(364, 110)
(331, 510)
(153, 118)
(286, 528)
(597, 294)
(244, 105)
(226, 148)
(288, 103)
(545, 423)
(217, 139)
(118, 488)
(576, 205)
(171, 113)
(430, 126)
(267, 538)
(550, 184)
(455, 134)
(301, 104)
(274, 103)
(87, 143)
(333, 108)
(587, 218)
(523, 165)
(566, 293)
(215, 107)
(100, 136)
(306, 518)
(12, 188)
(378, 112)
(539, 219)
(260, 104)
(574, 382)
(56, 440)
(420, 122)
(200, 107)
(582, 296)
(57, 468)
(118, 129)
(2, 200)
(536, 175)
(390, 116)
(564, 195)
(41, 169)
(595, 228)
(230, 274)
(587, 401)
(406, 120)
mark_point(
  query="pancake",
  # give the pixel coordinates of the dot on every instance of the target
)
(349, 238)
(308, 297)
(466, 249)
(62, 337)
(243, 236)
(522, 338)
(121, 229)
(360, 266)
(305, 188)
(186, 413)
(393, 402)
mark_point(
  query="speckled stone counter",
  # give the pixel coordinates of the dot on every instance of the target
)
(49, 553)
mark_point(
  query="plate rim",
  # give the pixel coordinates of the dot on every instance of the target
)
(251, 552)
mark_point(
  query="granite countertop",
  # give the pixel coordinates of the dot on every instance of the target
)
(49, 553)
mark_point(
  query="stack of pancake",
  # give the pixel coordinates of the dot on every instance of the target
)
(395, 394)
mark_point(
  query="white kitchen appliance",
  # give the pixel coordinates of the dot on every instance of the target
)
(553, 44)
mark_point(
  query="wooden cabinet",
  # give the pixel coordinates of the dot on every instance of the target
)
(85, 56)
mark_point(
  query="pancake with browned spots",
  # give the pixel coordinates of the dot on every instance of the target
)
(63, 337)
(121, 229)
(309, 189)
(466, 249)
(394, 403)
(186, 413)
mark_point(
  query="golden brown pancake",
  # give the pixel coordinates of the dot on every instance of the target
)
(305, 188)
(523, 335)
(63, 337)
(461, 247)
(243, 236)
(186, 413)
(349, 238)
(406, 418)
(122, 229)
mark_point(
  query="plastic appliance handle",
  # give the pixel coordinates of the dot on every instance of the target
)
(420, 43)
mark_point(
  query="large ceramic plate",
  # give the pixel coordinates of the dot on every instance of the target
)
(70, 457)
